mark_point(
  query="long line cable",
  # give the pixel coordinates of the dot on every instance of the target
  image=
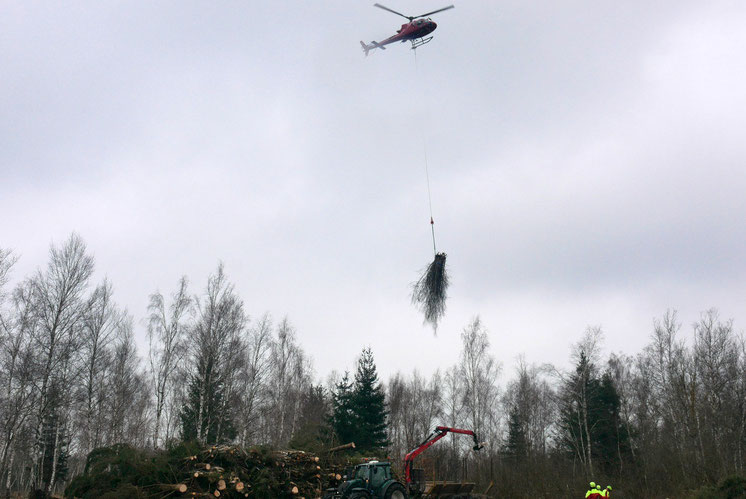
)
(427, 173)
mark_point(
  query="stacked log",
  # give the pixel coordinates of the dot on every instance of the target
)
(215, 472)
(227, 471)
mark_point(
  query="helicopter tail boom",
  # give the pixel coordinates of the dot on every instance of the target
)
(373, 45)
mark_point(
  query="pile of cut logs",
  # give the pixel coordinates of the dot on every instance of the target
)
(232, 472)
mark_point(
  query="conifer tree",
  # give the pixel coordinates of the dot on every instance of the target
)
(578, 411)
(343, 416)
(217, 422)
(368, 404)
(516, 447)
(590, 424)
(313, 433)
(611, 438)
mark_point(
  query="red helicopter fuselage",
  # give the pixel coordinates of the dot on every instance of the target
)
(419, 28)
(414, 30)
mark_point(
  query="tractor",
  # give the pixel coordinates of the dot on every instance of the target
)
(374, 479)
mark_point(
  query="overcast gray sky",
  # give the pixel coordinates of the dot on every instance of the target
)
(586, 163)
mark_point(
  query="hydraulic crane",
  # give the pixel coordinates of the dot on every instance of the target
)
(440, 432)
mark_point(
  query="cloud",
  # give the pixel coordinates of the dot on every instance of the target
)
(585, 163)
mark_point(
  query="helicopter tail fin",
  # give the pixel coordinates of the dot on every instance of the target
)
(373, 45)
(366, 48)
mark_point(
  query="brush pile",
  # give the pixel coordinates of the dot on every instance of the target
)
(218, 471)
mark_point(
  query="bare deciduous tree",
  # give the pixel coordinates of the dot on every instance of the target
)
(167, 346)
(290, 378)
(58, 303)
(214, 346)
(253, 377)
(18, 395)
(100, 321)
(479, 372)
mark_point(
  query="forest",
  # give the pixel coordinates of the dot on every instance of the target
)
(668, 421)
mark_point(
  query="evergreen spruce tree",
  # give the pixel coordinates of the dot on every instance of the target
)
(578, 410)
(207, 399)
(343, 416)
(516, 447)
(314, 432)
(611, 439)
(589, 418)
(368, 405)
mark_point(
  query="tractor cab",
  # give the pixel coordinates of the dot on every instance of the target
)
(369, 480)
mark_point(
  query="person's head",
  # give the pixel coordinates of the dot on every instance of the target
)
(593, 485)
(608, 487)
(598, 487)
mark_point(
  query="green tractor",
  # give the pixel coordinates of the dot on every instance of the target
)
(371, 480)
(374, 480)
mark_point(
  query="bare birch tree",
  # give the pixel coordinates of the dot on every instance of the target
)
(479, 372)
(290, 378)
(254, 376)
(217, 331)
(58, 303)
(17, 375)
(128, 399)
(167, 326)
(100, 321)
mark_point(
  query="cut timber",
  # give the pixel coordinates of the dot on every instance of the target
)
(239, 486)
(221, 484)
(351, 445)
(294, 490)
(489, 488)
(179, 487)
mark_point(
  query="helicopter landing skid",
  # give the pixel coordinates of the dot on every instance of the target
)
(420, 42)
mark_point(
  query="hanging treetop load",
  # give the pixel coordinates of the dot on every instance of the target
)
(429, 292)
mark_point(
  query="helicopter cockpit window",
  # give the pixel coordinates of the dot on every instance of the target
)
(419, 22)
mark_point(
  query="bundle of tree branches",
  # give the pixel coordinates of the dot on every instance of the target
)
(429, 292)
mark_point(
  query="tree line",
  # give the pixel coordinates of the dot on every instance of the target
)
(664, 421)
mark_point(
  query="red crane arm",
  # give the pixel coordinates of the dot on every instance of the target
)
(439, 433)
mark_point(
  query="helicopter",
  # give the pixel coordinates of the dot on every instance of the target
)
(416, 30)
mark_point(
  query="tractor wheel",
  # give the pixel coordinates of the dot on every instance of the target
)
(395, 491)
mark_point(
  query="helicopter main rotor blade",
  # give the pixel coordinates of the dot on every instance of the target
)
(436, 11)
(393, 11)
